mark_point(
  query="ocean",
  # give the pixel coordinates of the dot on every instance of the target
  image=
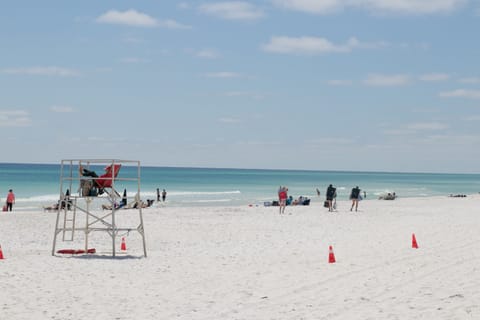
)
(38, 185)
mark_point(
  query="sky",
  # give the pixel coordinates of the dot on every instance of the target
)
(361, 85)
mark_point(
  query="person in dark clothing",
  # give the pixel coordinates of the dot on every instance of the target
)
(331, 194)
(123, 203)
(87, 186)
(355, 197)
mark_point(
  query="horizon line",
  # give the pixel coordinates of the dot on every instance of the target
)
(264, 169)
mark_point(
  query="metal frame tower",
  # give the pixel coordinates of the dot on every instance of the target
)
(81, 214)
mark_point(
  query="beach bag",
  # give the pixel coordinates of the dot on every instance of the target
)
(4, 208)
(325, 204)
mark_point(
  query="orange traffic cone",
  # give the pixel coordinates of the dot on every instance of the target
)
(1, 253)
(123, 247)
(414, 242)
(331, 255)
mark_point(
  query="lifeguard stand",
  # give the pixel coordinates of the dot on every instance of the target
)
(90, 203)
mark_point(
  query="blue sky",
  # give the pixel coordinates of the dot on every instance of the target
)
(370, 85)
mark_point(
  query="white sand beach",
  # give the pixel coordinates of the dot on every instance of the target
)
(252, 263)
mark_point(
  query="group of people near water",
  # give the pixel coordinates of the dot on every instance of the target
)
(331, 196)
(285, 200)
(163, 195)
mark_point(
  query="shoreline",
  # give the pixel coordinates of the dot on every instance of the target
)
(38, 186)
(315, 201)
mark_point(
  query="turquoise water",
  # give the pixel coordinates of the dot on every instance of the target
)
(37, 185)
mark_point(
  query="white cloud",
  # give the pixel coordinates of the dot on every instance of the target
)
(376, 6)
(208, 54)
(386, 80)
(434, 77)
(62, 109)
(309, 45)
(223, 74)
(183, 6)
(138, 19)
(461, 93)
(18, 118)
(411, 6)
(470, 80)
(451, 139)
(415, 128)
(232, 10)
(310, 6)
(43, 71)
(229, 120)
(130, 17)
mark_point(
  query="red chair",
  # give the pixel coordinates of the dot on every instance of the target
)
(106, 179)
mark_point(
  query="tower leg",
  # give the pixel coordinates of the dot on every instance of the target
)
(141, 230)
(56, 233)
(87, 231)
(114, 230)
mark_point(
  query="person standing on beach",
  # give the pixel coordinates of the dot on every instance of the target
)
(123, 203)
(282, 199)
(10, 200)
(331, 191)
(355, 197)
(318, 192)
(158, 194)
(164, 195)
